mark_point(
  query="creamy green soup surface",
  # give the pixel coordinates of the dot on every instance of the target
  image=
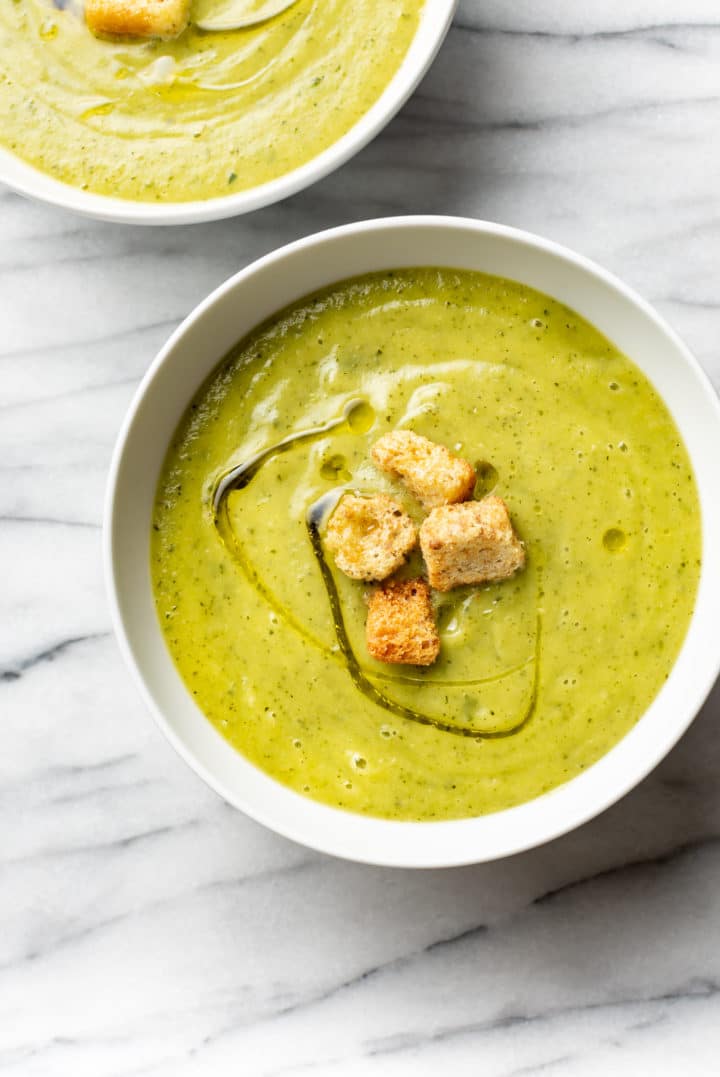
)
(202, 116)
(539, 675)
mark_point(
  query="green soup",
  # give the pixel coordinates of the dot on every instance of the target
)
(538, 676)
(223, 112)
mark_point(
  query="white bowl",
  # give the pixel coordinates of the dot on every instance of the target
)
(190, 355)
(434, 24)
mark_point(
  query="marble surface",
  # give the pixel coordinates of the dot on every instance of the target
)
(147, 928)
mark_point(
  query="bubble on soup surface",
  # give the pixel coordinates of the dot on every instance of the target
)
(614, 539)
(487, 478)
(360, 416)
(335, 469)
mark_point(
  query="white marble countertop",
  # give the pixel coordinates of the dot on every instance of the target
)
(146, 927)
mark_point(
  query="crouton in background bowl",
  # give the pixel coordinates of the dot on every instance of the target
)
(433, 21)
(190, 355)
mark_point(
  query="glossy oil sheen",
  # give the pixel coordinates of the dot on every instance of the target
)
(546, 671)
(235, 110)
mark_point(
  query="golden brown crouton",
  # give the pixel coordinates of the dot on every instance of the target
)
(401, 625)
(470, 543)
(137, 18)
(430, 471)
(370, 537)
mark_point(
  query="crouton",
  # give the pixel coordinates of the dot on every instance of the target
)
(430, 471)
(137, 18)
(400, 624)
(470, 543)
(369, 537)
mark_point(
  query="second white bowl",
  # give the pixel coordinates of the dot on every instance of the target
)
(434, 24)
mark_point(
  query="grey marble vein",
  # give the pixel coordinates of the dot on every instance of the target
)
(48, 654)
(146, 928)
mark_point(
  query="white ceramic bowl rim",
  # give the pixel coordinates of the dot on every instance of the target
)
(414, 844)
(435, 21)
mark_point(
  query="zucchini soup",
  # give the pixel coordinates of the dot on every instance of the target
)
(425, 545)
(200, 116)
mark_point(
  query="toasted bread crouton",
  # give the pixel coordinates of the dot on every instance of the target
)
(470, 543)
(369, 537)
(400, 624)
(430, 471)
(137, 18)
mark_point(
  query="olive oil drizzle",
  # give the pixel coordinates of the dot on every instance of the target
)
(239, 478)
(354, 417)
(235, 549)
(316, 514)
(400, 678)
(227, 534)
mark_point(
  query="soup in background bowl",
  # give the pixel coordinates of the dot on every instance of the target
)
(516, 352)
(209, 124)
